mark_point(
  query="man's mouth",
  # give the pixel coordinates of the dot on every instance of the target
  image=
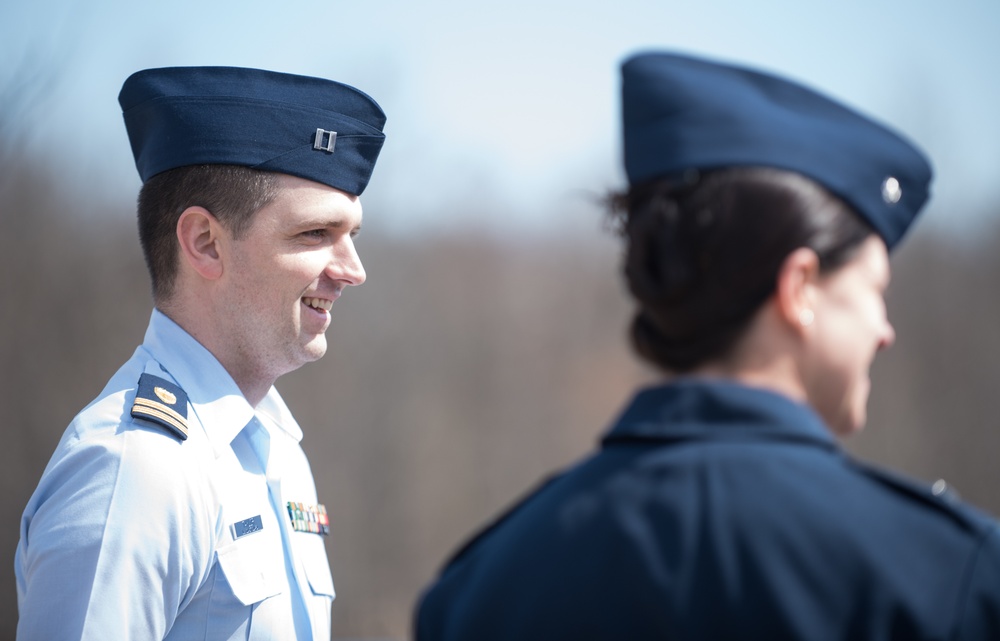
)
(318, 303)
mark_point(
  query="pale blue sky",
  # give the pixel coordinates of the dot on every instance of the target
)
(509, 108)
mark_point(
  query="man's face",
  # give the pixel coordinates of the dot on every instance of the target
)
(851, 326)
(284, 274)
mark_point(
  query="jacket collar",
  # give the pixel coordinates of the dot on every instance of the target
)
(703, 409)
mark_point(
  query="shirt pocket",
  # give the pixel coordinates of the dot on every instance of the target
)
(309, 547)
(252, 567)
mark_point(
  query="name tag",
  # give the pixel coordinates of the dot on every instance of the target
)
(248, 526)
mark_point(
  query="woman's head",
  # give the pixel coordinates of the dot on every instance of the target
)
(703, 254)
(757, 221)
(707, 256)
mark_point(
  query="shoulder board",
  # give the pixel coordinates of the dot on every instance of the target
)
(939, 496)
(159, 401)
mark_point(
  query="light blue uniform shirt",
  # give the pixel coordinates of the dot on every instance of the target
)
(130, 533)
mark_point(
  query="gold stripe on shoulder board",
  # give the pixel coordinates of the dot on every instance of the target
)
(161, 414)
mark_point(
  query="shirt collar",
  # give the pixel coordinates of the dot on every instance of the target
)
(213, 393)
(273, 408)
(701, 409)
(216, 399)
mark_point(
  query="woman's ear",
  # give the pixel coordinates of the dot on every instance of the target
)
(199, 235)
(796, 291)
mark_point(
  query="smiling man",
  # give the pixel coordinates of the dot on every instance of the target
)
(179, 504)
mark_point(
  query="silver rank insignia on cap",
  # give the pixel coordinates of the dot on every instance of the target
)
(309, 518)
(325, 140)
(161, 402)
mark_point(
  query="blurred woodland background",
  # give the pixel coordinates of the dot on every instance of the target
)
(469, 366)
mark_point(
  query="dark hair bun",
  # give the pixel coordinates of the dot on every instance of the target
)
(703, 254)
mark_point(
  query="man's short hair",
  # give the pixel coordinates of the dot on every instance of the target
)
(233, 194)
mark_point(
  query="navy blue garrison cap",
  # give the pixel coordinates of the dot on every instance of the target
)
(308, 127)
(681, 113)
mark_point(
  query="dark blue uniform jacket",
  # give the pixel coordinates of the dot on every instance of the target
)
(717, 511)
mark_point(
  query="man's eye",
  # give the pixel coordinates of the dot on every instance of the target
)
(315, 233)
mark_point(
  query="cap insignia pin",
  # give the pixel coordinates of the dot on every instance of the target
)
(891, 190)
(329, 136)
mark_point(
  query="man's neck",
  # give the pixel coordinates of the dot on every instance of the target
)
(251, 383)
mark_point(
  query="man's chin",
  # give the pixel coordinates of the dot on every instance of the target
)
(314, 349)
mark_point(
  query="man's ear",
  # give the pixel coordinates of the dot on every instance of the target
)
(199, 234)
(796, 293)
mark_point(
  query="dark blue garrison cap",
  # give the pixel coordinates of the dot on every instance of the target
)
(308, 127)
(681, 113)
